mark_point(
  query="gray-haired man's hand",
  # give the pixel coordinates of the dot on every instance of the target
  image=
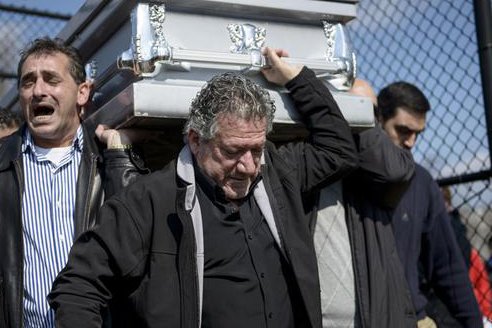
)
(279, 71)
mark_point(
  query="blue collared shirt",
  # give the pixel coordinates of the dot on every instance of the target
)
(47, 217)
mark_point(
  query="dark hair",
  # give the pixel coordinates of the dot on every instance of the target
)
(48, 46)
(9, 120)
(446, 194)
(228, 93)
(404, 95)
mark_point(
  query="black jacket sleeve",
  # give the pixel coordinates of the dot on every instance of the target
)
(385, 170)
(329, 153)
(443, 263)
(104, 262)
(121, 168)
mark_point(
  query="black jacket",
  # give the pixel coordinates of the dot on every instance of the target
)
(149, 244)
(92, 182)
(429, 252)
(370, 196)
(382, 295)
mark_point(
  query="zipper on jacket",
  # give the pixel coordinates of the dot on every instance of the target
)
(92, 176)
(190, 257)
(20, 181)
(199, 298)
(359, 303)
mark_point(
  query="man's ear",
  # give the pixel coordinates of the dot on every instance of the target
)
(193, 141)
(83, 92)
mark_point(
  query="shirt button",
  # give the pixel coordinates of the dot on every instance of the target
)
(270, 315)
(262, 275)
(250, 236)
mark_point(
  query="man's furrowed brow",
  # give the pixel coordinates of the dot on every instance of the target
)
(28, 76)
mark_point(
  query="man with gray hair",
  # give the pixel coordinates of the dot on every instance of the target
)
(220, 237)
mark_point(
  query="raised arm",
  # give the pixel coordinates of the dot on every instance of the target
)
(122, 165)
(329, 153)
(385, 169)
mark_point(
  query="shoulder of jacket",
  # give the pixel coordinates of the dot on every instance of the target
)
(422, 172)
(10, 149)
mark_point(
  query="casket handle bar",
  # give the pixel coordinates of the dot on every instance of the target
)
(185, 59)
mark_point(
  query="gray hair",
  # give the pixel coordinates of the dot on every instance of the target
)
(228, 93)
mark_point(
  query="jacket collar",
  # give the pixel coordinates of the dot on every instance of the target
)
(91, 145)
(28, 140)
(10, 148)
(186, 172)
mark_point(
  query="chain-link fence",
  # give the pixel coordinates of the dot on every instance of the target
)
(433, 44)
(19, 26)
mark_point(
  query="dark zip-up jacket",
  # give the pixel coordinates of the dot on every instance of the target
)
(370, 193)
(370, 196)
(426, 241)
(149, 244)
(93, 181)
(382, 292)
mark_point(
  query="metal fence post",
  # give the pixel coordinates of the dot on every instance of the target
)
(483, 21)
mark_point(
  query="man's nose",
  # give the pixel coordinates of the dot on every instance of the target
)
(409, 141)
(39, 88)
(247, 163)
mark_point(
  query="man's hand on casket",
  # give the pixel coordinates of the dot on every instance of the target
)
(279, 72)
(115, 139)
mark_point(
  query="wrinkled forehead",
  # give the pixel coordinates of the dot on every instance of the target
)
(48, 55)
(227, 121)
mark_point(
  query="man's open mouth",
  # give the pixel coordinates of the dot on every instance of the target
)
(42, 110)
